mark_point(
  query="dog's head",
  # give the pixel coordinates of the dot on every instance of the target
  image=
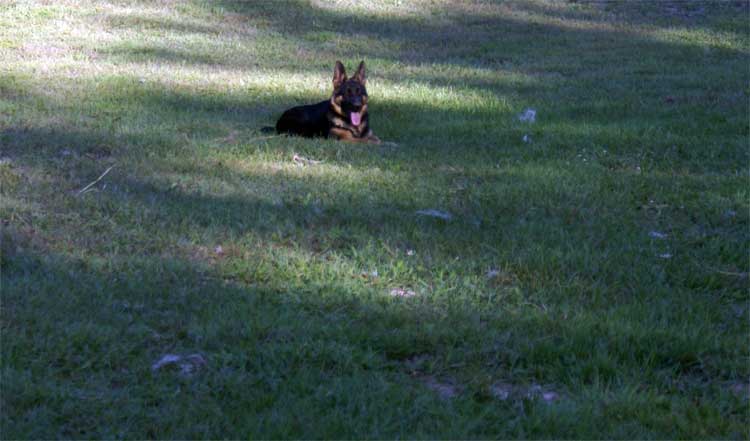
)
(349, 94)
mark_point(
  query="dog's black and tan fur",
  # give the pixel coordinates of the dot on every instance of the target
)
(343, 117)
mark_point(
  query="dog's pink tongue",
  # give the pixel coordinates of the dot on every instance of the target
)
(356, 118)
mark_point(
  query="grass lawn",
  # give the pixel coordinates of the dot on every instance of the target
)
(591, 283)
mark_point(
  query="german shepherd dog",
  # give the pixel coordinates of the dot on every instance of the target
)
(343, 116)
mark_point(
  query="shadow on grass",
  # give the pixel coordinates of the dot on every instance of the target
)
(528, 56)
(517, 37)
(427, 131)
(527, 197)
(208, 116)
(302, 340)
(85, 334)
(290, 327)
(472, 36)
(317, 212)
(154, 23)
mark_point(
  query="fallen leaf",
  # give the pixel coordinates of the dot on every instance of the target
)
(436, 213)
(445, 390)
(505, 391)
(196, 359)
(187, 365)
(529, 116)
(165, 360)
(491, 274)
(501, 391)
(302, 161)
(191, 364)
(536, 391)
(400, 292)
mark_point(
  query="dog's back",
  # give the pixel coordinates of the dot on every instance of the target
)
(310, 120)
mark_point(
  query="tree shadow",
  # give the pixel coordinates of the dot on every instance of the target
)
(668, 13)
(146, 292)
(471, 36)
(210, 116)
(79, 363)
(271, 337)
(524, 55)
(158, 54)
(146, 23)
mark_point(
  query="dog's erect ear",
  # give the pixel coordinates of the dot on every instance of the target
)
(339, 75)
(360, 75)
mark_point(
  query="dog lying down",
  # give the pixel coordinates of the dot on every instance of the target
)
(343, 116)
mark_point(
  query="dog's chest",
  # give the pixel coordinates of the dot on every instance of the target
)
(340, 122)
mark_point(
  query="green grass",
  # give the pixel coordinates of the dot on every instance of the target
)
(605, 261)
